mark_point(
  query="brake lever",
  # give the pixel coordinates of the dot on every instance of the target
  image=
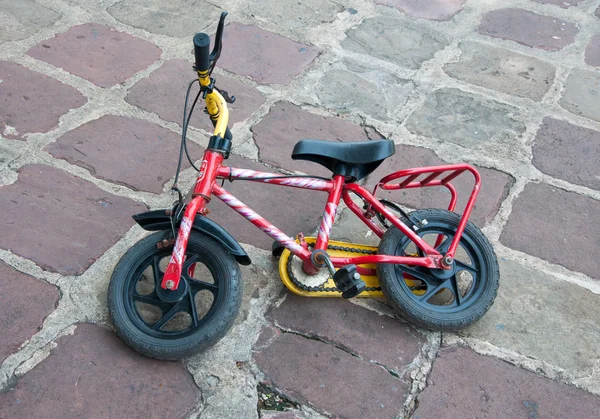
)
(216, 52)
(228, 99)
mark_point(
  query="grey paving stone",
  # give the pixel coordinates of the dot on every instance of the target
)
(25, 302)
(401, 42)
(502, 70)
(433, 10)
(163, 93)
(568, 152)
(465, 119)
(266, 414)
(263, 56)
(346, 91)
(555, 225)
(329, 379)
(104, 145)
(93, 374)
(61, 222)
(543, 318)
(176, 18)
(296, 15)
(32, 102)
(565, 4)
(97, 53)
(286, 124)
(528, 28)
(580, 94)
(465, 384)
(494, 188)
(592, 51)
(289, 209)
(597, 13)
(22, 19)
(363, 332)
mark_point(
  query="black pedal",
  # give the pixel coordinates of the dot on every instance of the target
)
(348, 281)
(277, 249)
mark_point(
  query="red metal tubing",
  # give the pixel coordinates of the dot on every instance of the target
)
(428, 262)
(232, 173)
(360, 214)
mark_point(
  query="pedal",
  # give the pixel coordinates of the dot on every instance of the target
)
(277, 249)
(348, 281)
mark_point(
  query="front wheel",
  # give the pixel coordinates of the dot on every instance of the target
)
(435, 298)
(160, 326)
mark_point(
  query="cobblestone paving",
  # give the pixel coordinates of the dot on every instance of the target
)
(90, 113)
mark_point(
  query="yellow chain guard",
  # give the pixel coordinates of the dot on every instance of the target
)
(370, 281)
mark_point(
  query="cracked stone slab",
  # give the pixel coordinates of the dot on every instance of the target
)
(264, 56)
(372, 336)
(32, 102)
(92, 373)
(526, 312)
(465, 384)
(502, 70)
(565, 4)
(592, 51)
(177, 18)
(296, 15)
(432, 10)
(59, 221)
(568, 152)
(580, 94)
(25, 303)
(329, 379)
(495, 185)
(401, 42)
(555, 225)
(97, 53)
(22, 19)
(528, 28)
(466, 119)
(291, 210)
(345, 91)
(286, 124)
(163, 93)
(102, 145)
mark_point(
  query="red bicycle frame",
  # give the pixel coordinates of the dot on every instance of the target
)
(212, 169)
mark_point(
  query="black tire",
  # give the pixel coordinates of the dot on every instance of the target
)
(428, 305)
(133, 298)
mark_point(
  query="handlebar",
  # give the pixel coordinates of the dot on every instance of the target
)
(201, 51)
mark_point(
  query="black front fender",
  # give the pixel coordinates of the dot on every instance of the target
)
(160, 220)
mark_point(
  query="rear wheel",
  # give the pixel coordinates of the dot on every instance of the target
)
(435, 298)
(174, 324)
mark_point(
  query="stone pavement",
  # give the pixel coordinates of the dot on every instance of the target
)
(90, 112)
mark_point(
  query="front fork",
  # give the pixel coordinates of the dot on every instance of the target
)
(202, 193)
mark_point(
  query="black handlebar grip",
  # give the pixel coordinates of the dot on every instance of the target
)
(202, 51)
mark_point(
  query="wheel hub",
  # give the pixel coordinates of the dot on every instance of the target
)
(173, 296)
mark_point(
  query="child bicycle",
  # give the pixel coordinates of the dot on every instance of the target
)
(178, 291)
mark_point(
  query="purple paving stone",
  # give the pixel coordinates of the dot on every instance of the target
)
(592, 52)
(59, 221)
(163, 93)
(286, 124)
(25, 302)
(568, 152)
(555, 225)
(291, 210)
(432, 10)
(97, 53)
(32, 102)
(329, 379)
(360, 331)
(565, 4)
(494, 188)
(263, 56)
(127, 151)
(464, 384)
(528, 28)
(93, 374)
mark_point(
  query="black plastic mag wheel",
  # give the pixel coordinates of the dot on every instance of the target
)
(434, 298)
(174, 324)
